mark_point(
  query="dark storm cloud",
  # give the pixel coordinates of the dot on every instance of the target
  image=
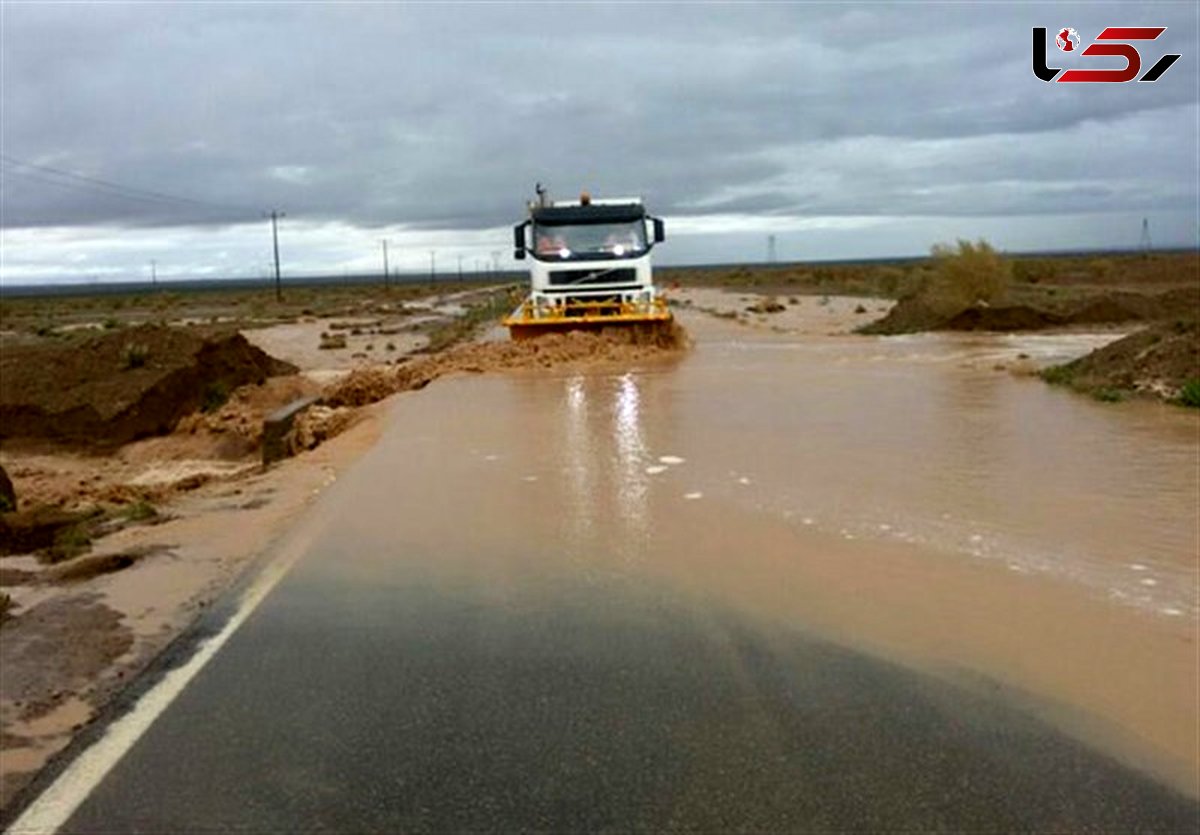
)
(444, 117)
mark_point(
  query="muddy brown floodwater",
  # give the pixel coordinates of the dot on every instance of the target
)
(897, 495)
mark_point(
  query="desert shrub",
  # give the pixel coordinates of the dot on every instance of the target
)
(890, 279)
(1035, 270)
(135, 355)
(1102, 269)
(111, 324)
(69, 543)
(1189, 395)
(1060, 375)
(965, 275)
(1107, 394)
(140, 511)
(214, 396)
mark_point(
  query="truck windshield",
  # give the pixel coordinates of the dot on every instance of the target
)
(593, 240)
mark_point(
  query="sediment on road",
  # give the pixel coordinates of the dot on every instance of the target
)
(575, 348)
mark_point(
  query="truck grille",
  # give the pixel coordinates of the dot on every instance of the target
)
(580, 278)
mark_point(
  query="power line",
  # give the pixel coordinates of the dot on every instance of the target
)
(67, 184)
(111, 187)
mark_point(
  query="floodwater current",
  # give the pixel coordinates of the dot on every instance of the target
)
(898, 495)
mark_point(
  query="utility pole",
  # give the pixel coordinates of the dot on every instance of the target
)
(770, 249)
(460, 268)
(432, 266)
(153, 273)
(385, 263)
(275, 215)
(1144, 245)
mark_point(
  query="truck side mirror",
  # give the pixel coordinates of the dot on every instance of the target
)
(519, 241)
(660, 231)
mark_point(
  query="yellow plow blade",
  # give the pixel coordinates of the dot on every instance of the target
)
(527, 322)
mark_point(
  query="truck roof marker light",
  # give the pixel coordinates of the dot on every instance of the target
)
(585, 199)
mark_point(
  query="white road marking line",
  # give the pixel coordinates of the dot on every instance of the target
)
(55, 806)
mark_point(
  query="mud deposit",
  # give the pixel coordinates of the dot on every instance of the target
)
(913, 315)
(1160, 360)
(576, 349)
(114, 388)
(57, 647)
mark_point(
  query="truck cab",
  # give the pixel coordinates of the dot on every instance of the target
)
(589, 252)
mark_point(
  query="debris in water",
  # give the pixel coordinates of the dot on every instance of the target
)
(695, 495)
(670, 459)
(655, 469)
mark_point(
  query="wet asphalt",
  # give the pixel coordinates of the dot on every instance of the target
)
(401, 706)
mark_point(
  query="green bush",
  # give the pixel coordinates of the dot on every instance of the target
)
(1107, 394)
(135, 355)
(1189, 395)
(214, 396)
(1059, 375)
(965, 275)
(140, 511)
(69, 543)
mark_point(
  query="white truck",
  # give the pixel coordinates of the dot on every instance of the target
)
(589, 266)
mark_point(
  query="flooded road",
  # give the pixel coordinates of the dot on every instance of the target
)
(898, 494)
(779, 583)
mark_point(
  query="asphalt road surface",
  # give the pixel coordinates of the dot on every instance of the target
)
(451, 654)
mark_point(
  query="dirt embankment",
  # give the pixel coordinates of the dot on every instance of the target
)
(117, 387)
(915, 314)
(1162, 360)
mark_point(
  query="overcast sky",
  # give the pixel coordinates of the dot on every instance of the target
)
(846, 130)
